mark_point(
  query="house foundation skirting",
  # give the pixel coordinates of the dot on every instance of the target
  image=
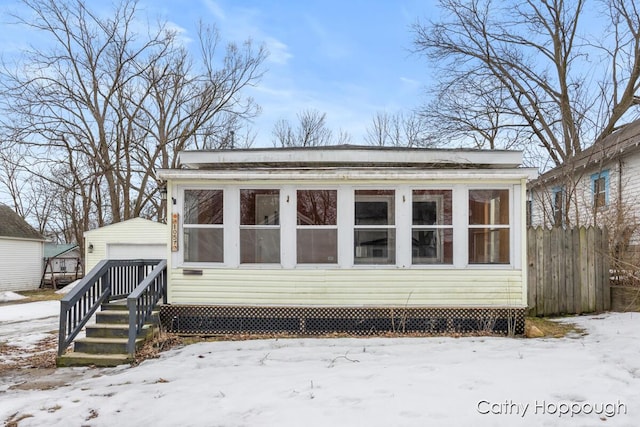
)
(215, 320)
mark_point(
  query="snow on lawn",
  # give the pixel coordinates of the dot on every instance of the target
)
(471, 381)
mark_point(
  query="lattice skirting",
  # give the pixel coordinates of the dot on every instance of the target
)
(214, 320)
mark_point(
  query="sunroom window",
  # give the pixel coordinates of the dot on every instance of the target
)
(203, 226)
(489, 226)
(432, 227)
(259, 226)
(317, 227)
(374, 228)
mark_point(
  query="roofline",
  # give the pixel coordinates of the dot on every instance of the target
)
(121, 222)
(310, 174)
(622, 142)
(57, 255)
(23, 238)
(346, 155)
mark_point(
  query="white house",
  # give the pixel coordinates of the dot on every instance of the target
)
(136, 238)
(21, 252)
(599, 186)
(344, 238)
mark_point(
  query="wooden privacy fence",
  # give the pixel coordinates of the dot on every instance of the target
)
(568, 271)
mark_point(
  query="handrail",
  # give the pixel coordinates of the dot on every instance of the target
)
(108, 280)
(142, 301)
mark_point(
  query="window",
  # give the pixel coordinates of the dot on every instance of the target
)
(432, 229)
(558, 206)
(317, 227)
(259, 226)
(488, 226)
(374, 228)
(203, 232)
(600, 188)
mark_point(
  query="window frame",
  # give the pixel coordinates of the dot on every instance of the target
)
(558, 210)
(299, 227)
(184, 225)
(346, 227)
(392, 201)
(440, 227)
(602, 176)
(493, 227)
(260, 227)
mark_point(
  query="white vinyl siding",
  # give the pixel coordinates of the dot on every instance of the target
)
(137, 232)
(21, 265)
(350, 287)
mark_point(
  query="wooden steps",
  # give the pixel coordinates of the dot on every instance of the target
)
(105, 343)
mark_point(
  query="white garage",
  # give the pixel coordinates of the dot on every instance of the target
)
(21, 252)
(137, 238)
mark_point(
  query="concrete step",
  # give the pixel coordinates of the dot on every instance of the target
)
(85, 359)
(112, 317)
(104, 345)
(114, 305)
(118, 317)
(105, 330)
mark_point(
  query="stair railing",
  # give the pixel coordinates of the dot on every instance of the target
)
(107, 281)
(143, 300)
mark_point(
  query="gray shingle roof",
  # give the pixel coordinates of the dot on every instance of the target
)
(620, 143)
(12, 225)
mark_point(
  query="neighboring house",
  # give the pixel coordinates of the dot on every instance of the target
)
(62, 264)
(599, 186)
(136, 238)
(21, 253)
(262, 237)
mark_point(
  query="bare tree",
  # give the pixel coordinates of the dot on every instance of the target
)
(311, 131)
(105, 104)
(518, 72)
(398, 130)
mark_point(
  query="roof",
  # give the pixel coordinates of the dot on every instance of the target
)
(142, 222)
(14, 226)
(624, 141)
(348, 156)
(52, 250)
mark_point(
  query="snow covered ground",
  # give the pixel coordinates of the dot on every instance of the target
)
(591, 380)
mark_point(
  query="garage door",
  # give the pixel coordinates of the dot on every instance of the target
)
(136, 251)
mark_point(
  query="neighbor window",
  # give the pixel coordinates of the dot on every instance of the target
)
(558, 206)
(600, 188)
(259, 226)
(488, 226)
(432, 229)
(374, 227)
(317, 227)
(203, 226)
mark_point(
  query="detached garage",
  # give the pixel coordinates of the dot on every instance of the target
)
(137, 238)
(21, 252)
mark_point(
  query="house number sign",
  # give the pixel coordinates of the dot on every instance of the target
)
(174, 232)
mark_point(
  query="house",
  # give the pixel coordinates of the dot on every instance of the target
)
(599, 186)
(346, 238)
(136, 238)
(21, 252)
(62, 264)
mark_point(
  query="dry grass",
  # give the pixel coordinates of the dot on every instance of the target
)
(38, 295)
(554, 329)
(152, 348)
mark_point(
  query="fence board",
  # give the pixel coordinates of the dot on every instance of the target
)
(567, 252)
(540, 267)
(568, 271)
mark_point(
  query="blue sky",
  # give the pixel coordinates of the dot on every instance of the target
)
(349, 59)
